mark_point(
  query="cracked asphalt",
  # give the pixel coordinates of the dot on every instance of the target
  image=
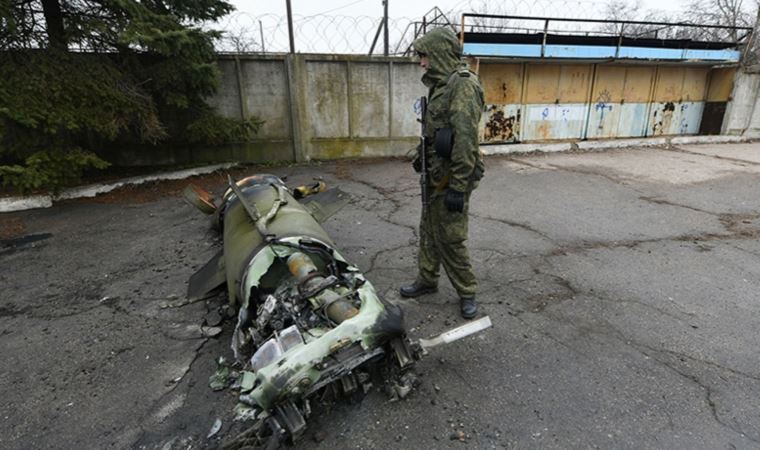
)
(623, 287)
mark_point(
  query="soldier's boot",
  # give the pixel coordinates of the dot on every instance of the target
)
(468, 307)
(416, 289)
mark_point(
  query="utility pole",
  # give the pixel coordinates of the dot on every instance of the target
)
(261, 32)
(385, 22)
(290, 27)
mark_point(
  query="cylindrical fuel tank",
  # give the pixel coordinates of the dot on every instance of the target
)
(242, 240)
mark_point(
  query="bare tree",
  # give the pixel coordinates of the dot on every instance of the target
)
(732, 13)
(626, 11)
(241, 40)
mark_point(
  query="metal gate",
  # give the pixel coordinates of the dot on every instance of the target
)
(542, 102)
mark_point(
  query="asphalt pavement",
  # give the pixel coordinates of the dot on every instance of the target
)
(623, 287)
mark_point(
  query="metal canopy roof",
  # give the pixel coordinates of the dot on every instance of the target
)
(524, 37)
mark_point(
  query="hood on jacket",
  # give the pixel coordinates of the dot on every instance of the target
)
(444, 53)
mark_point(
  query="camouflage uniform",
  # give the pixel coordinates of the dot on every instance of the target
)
(455, 101)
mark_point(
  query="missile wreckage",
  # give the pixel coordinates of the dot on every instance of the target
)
(308, 323)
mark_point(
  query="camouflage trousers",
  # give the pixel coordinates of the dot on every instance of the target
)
(442, 242)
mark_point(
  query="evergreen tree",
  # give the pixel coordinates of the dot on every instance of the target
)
(78, 75)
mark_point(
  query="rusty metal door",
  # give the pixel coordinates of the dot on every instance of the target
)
(620, 101)
(503, 88)
(556, 101)
(678, 101)
(542, 102)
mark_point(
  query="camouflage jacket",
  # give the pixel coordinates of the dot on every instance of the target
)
(455, 100)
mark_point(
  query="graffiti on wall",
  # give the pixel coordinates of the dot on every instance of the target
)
(602, 105)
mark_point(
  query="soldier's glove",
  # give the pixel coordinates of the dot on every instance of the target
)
(454, 200)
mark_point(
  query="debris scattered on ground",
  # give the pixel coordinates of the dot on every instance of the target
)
(244, 412)
(170, 444)
(173, 381)
(221, 378)
(214, 428)
(179, 304)
(247, 380)
(211, 331)
(458, 436)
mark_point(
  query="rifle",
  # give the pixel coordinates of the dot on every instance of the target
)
(423, 156)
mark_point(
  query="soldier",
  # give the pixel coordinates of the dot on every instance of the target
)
(455, 103)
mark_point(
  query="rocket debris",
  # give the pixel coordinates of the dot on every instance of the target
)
(308, 321)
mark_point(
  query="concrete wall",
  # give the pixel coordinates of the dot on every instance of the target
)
(337, 106)
(322, 106)
(743, 111)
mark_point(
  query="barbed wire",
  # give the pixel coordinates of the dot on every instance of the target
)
(324, 33)
(312, 34)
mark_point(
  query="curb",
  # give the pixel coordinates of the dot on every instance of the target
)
(505, 149)
(11, 204)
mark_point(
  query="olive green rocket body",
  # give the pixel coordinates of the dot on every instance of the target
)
(326, 311)
(241, 238)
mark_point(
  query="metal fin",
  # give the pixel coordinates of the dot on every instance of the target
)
(323, 205)
(207, 278)
(457, 333)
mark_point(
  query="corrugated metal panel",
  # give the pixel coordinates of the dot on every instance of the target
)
(510, 50)
(674, 53)
(609, 84)
(619, 102)
(606, 97)
(721, 85)
(678, 101)
(638, 83)
(574, 83)
(502, 83)
(603, 119)
(579, 51)
(669, 84)
(556, 101)
(554, 121)
(573, 101)
(690, 117)
(502, 86)
(542, 84)
(694, 84)
(669, 118)
(712, 55)
(501, 123)
(598, 51)
(633, 120)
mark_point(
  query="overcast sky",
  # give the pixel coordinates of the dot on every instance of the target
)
(405, 8)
